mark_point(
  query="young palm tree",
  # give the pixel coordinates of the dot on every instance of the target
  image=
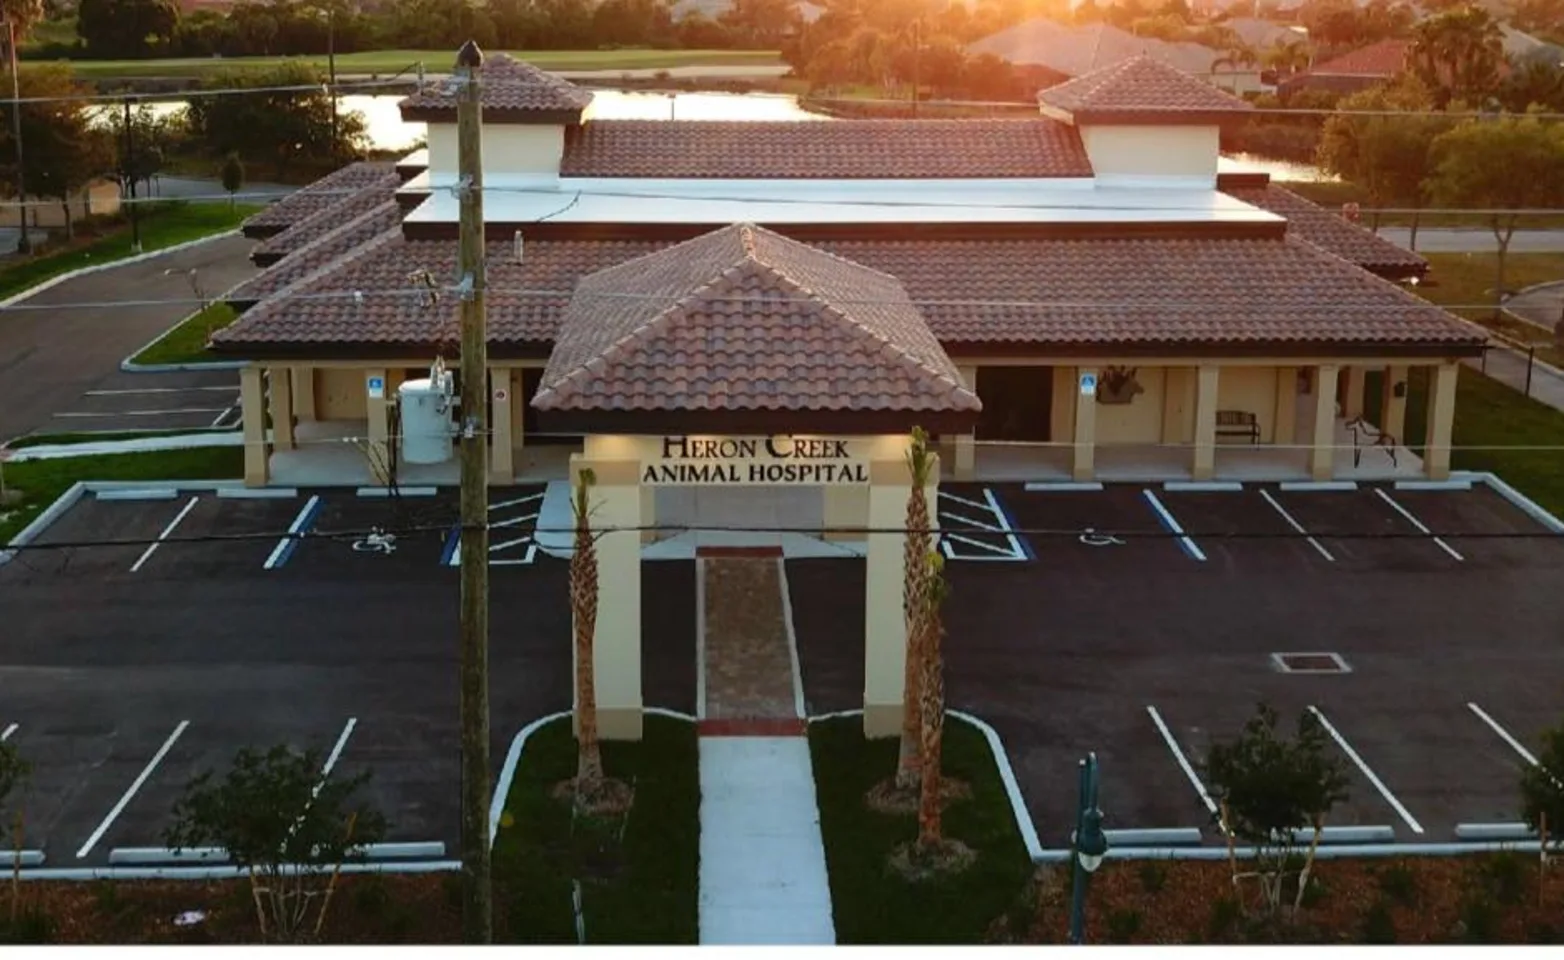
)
(583, 605)
(914, 602)
(932, 708)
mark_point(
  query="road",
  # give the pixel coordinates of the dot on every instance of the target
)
(59, 368)
(1468, 240)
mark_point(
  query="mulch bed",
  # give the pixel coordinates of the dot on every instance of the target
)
(1414, 900)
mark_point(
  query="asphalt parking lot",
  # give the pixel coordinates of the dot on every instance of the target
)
(1153, 634)
(126, 669)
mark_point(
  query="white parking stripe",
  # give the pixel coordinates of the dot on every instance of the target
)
(294, 529)
(124, 801)
(1379, 785)
(108, 414)
(1168, 521)
(1296, 525)
(512, 522)
(8, 731)
(1004, 519)
(962, 518)
(1504, 734)
(139, 390)
(964, 501)
(515, 503)
(1416, 522)
(147, 554)
(217, 421)
(1183, 761)
(507, 544)
(946, 536)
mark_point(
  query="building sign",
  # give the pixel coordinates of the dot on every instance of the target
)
(377, 388)
(754, 461)
(1088, 384)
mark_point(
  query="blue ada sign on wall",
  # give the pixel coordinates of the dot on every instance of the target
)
(377, 388)
(1088, 384)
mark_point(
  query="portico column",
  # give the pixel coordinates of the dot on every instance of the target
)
(252, 406)
(1441, 420)
(1393, 408)
(379, 421)
(502, 459)
(279, 383)
(1322, 455)
(1286, 406)
(1205, 422)
(1356, 378)
(614, 504)
(304, 393)
(966, 443)
(884, 629)
(1083, 465)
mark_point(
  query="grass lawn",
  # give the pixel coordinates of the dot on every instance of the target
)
(186, 343)
(162, 225)
(393, 61)
(1334, 194)
(872, 905)
(1468, 278)
(41, 482)
(639, 874)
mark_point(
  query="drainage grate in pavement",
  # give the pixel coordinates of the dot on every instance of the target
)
(1310, 663)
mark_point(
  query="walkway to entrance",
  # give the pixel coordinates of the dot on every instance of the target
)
(762, 876)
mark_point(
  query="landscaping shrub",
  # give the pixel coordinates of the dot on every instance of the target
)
(1479, 920)
(1378, 925)
(1123, 924)
(1153, 876)
(32, 926)
(1225, 914)
(1398, 882)
(1503, 877)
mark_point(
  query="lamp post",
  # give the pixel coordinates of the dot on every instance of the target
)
(1091, 846)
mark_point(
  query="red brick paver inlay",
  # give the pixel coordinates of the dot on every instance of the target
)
(752, 727)
(746, 656)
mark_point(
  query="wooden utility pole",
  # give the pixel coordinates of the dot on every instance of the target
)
(477, 902)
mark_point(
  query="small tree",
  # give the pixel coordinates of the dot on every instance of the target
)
(591, 790)
(13, 774)
(233, 176)
(915, 605)
(1268, 787)
(1497, 165)
(1542, 792)
(286, 826)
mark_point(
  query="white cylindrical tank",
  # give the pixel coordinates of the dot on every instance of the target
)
(426, 420)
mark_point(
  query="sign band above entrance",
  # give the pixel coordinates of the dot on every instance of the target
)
(754, 461)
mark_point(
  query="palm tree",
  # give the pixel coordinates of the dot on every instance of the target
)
(1460, 52)
(914, 602)
(932, 707)
(1287, 59)
(583, 605)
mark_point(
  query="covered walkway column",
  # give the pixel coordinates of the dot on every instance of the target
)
(1205, 422)
(966, 443)
(1083, 466)
(614, 504)
(502, 457)
(1286, 420)
(1322, 453)
(304, 393)
(252, 406)
(1352, 402)
(1441, 420)
(379, 413)
(279, 389)
(884, 629)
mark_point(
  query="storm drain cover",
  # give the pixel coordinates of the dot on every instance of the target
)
(1310, 663)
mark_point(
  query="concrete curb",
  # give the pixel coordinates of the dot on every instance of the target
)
(1522, 502)
(129, 364)
(55, 281)
(89, 448)
(44, 520)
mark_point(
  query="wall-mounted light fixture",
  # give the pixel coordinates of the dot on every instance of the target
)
(1399, 390)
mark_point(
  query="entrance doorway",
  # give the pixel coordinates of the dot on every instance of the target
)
(1017, 403)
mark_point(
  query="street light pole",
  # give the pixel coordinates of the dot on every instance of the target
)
(16, 128)
(130, 179)
(1091, 846)
(331, 70)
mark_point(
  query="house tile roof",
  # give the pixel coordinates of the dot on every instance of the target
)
(323, 193)
(320, 252)
(1077, 49)
(1383, 59)
(510, 90)
(1140, 88)
(1044, 293)
(741, 319)
(844, 149)
(328, 218)
(1333, 233)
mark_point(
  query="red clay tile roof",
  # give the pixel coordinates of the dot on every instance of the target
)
(328, 218)
(323, 193)
(1133, 293)
(1144, 89)
(1333, 233)
(817, 149)
(679, 329)
(320, 252)
(510, 90)
(1383, 59)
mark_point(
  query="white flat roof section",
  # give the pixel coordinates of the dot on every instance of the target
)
(839, 201)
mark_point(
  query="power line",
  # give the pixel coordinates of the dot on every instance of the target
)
(1236, 114)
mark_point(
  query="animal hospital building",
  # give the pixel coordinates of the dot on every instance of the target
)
(768, 309)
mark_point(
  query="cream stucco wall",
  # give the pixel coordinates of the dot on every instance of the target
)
(1140, 420)
(1252, 389)
(1130, 151)
(507, 149)
(340, 394)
